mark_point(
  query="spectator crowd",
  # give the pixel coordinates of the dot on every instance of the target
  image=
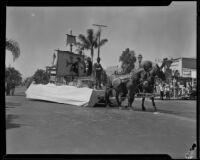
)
(169, 91)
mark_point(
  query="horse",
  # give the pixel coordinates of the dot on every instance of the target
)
(156, 72)
(141, 80)
(124, 86)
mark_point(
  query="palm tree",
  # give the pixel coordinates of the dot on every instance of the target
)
(90, 41)
(13, 46)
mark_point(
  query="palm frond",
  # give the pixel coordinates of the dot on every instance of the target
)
(13, 46)
(102, 42)
(90, 36)
(84, 41)
(96, 36)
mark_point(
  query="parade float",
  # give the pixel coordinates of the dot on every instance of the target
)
(65, 86)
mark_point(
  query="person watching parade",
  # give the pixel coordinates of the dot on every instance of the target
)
(98, 72)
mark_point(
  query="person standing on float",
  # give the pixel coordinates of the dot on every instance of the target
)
(98, 72)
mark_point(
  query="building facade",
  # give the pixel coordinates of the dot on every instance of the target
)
(185, 68)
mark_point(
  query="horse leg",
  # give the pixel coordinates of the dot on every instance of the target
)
(130, 102)
(153, 103)
(107, 96)
(131, 97)
(123, 98)
(117, 98)
(143, 99)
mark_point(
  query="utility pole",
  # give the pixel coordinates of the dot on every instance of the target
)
(99, 26)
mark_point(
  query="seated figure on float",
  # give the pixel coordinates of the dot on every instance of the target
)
(86, 79)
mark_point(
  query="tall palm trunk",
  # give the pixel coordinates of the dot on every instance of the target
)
(92, 54)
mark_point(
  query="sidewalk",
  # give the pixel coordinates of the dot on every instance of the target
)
(177, 98)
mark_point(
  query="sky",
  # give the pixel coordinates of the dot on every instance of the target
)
(154, 32)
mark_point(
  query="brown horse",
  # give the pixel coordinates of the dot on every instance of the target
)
(141, 80)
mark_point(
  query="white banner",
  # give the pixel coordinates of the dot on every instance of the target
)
(60, 94)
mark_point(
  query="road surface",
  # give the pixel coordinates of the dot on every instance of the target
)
(40, 127)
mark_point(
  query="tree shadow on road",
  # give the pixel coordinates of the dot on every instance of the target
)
(12, 104)
(18, 95)
(114, 106)
(9, 121)
(42, 101)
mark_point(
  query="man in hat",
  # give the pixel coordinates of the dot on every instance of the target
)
(138, 62)
(97, 72)
(147, 65)
(138, 67)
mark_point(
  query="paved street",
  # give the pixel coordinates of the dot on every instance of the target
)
(39, 127)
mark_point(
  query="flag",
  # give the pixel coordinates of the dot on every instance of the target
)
(71, 39)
